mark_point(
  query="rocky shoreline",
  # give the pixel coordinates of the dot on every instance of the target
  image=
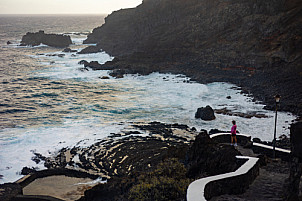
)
(262, 86)
(255, 45)
(141, 154)
(142, 159)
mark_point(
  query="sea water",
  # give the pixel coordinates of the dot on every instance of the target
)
(50, 102)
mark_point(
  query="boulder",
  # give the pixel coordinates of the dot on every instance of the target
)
(8, 43)
(93, 64)
(205, 113)
(27, 170)
(257, 140)
(84, 62)
(69, 50)
(118, 73)
(53, 40)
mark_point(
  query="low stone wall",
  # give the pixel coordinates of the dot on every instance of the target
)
(34, 198)
(17, 194)
(257, 148)
(230, 183)
(234, 184)
(268, 150)
(51, 172)
(226, 138)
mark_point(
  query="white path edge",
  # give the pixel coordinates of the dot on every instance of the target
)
(270, 147)
(195, 191)
(218, 134)
(254, 143)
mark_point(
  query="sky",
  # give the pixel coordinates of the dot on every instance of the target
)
(64, 6)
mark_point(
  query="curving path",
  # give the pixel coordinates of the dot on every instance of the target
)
(267, 186)
(196, 189)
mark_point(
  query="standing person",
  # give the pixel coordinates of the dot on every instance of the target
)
(233, 133)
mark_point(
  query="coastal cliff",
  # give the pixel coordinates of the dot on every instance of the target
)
(254, 44)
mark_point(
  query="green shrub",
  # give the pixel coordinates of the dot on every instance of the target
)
(166, 182)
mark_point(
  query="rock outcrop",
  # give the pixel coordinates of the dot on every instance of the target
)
(293, 182)
(205, 113)
(252, 43)
(53, 40)
(90, 49)
(9, 190)
(206, 157)
(143, 168)
(69, 50)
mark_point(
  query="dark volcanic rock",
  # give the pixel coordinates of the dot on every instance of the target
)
(205, 113)
(118, 73)
(9, 190)
(296, 140)
(53, 40)
(90, 49)
(105, 77)
(214, 131)
(144, 168)
(27, 170)
(69, 50)
(84, 62)
(139, 153)
(252, 43)
(205, 157)
(93, 64)
(248, 115)
(292, 184)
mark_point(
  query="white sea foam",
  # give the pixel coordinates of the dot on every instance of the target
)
(23, 143)
(156, 97)
(67, 67)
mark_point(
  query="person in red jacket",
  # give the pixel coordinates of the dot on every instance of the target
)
(233, 133)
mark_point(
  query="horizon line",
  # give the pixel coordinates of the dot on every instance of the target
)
(54, 13)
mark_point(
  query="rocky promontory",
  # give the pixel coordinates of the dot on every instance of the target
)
(254, 44)
(156, 161)
(143, 161)
(53, 40)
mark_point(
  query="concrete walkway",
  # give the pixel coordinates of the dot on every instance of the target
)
(268, 186)
(196, 189)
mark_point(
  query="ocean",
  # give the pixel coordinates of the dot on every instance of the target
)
(48, 102)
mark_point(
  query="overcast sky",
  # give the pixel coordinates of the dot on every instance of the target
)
(64, 6)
